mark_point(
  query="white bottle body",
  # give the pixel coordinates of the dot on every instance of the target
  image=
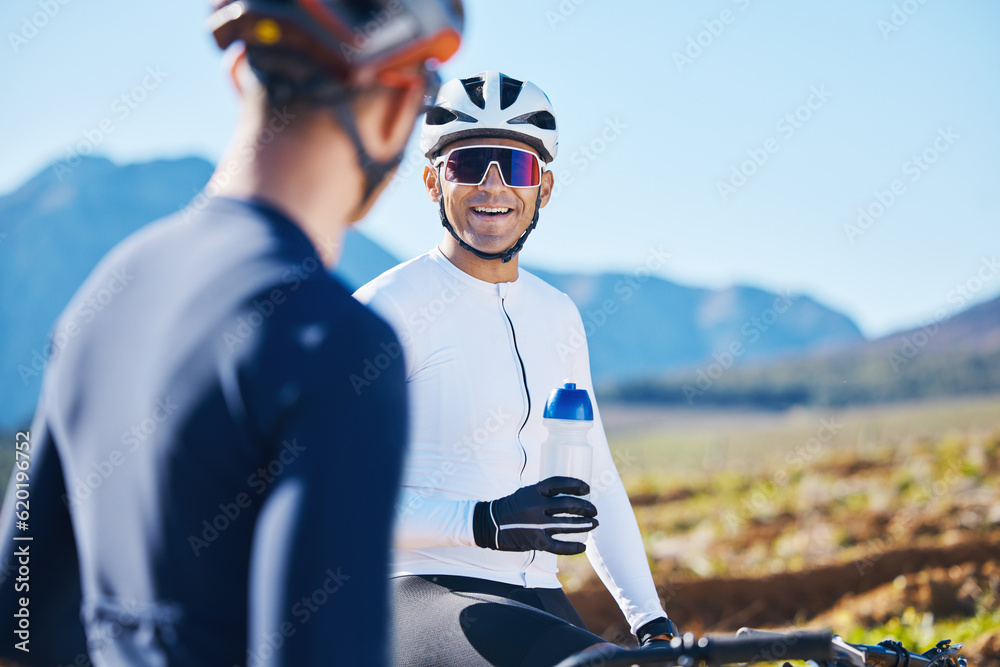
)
(566, 453)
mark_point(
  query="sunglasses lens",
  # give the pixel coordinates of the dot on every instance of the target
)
(467, 166)
(520, 169)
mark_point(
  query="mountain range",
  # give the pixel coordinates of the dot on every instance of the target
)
(57, 225)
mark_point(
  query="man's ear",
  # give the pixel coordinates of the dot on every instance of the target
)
(235, 60)
(431, 183)
(548, 182)
(387, 120)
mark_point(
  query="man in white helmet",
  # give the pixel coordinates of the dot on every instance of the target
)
(484, 342)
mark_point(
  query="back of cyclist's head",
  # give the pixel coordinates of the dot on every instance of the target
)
(317, 53)
(333, 56)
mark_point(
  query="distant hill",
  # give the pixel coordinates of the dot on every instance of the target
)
(976, 329)
(956, 356)
(55, 228)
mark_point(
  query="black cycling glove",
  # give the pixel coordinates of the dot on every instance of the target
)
(525, 520)
(653, 633)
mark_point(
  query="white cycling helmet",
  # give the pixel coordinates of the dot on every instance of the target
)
(490, 104)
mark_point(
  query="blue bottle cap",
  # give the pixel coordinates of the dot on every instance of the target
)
(568, 402)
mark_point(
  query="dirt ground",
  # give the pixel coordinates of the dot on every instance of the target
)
(941, 580)
(850, 543)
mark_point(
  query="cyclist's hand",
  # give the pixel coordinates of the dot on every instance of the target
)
(658, 631)
(525, 520)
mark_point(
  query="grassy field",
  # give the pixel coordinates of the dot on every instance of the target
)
(878, 522)
(665, 440)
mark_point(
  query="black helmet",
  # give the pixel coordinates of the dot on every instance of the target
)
(356, 41)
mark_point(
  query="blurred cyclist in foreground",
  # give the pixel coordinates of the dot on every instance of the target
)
(210, 399)
(474, 563)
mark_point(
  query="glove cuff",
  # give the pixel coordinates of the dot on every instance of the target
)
(483, 528)
(656, 627)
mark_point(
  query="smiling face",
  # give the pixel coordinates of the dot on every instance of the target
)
(490, 216)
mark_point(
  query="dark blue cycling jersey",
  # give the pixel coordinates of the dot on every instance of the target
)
(213, 460)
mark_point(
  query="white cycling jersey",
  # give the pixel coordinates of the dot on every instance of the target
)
(481, 359)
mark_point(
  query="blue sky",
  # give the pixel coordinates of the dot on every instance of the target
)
(741, 136)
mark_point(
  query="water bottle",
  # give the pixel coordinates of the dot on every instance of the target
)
(566, 453)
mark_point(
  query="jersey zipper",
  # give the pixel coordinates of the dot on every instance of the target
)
(527, 413)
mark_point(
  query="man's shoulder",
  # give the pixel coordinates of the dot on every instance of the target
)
(213, 238)
(323, 300)
(542, 290)
(320, 326)
(401, 280)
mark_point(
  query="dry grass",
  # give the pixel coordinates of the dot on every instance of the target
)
(876, 522)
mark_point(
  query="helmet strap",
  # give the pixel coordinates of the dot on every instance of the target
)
(507, 254)
(374, 171)
(320, 91)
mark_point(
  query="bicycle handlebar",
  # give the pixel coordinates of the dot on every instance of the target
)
(688, 650)
(750, 645)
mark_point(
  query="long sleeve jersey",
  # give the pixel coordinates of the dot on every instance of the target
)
(197, 428)
(481, 359)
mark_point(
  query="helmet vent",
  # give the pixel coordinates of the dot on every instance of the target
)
(474, 89)
(442, 116)
(439, 116)
(510, 88)
(540, 119)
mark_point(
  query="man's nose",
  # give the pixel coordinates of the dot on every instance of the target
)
(493, 181)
